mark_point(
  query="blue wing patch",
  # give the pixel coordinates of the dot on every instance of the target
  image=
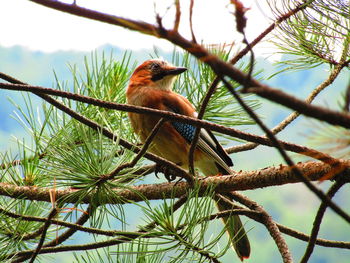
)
(186, 130)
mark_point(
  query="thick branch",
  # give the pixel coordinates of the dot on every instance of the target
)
(220, 67)
(317, 112)
(285, 156)
(266, 177)
(332, 76)
(139, 26)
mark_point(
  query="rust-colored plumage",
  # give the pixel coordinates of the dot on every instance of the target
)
(151, 86)
(142, 91)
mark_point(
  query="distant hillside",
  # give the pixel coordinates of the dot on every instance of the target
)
(36, 67)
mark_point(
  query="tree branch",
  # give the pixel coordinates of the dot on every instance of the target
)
(278, 128)
(289, 161)
(317, 222)
(93, 125)
(201, 112)
(317, 112)
(41, 92)
(43, 235)
(220, 67)
(239, 211)
(248, 180)
(60, 239)
(190, 20)
(138, 156)
(177, 15)
(267, 220)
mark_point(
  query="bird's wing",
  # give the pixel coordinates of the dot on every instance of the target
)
(206, 141)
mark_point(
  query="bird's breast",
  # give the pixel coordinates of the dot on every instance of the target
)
(168, 143)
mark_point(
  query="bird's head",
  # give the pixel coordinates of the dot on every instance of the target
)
(155, 73)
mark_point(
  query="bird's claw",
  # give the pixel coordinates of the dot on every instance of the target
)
(166, 171)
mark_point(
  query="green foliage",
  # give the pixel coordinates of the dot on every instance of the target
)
(63, 154)
(194, 84)
(185, 231)
(176, 237)
(314, 36)
(16, 235)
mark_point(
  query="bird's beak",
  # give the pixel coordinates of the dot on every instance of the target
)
(175, 71)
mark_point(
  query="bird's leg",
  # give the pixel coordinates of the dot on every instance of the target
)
(167, 171)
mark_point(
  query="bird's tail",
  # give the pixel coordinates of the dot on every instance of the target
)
(234, 227)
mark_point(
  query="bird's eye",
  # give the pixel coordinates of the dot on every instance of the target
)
(155, 66)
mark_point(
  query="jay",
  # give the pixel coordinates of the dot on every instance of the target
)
(151, 86)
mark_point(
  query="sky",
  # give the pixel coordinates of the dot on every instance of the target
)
(40, 28)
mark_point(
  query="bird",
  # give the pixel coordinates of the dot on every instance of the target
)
(151, 85)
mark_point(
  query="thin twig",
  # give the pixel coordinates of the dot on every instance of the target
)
(25, 254)
(347, 99)
(251, 61)
(191, 22)
(204, 105)
(126, 236)
(271, 27)
(67, 224)
(269, 224)
(80, 221)
(290, 163)
(241, 22)
(165, 114)
(278, 128)
(317, 112)
(138, 156)
(255, 215)
(239, 211)
(318, 219)
(219, 67)
(319, 241)
(61, 238)
(43, 235)
(177, 15)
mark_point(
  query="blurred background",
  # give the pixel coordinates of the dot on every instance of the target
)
(36, 42)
